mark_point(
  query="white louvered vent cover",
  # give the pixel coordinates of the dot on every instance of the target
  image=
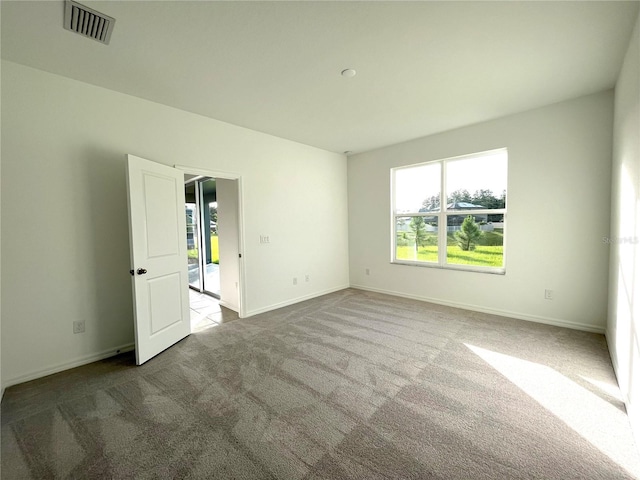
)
(88, 22)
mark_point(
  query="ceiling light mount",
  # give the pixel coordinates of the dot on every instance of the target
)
(348, 73)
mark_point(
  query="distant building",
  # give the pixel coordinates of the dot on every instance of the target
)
(456, 220)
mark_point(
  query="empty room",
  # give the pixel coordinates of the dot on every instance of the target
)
(320, 239)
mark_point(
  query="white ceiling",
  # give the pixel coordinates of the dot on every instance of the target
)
(423, 67)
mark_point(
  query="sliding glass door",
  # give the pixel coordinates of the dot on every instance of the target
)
(193, 235)
(202, 235)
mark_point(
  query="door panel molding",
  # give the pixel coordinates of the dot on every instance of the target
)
(158, 244)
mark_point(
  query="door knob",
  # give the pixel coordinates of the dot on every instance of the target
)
(141, 271)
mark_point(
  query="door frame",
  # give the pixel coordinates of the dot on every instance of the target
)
(241, 239)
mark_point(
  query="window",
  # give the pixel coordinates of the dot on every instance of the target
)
(451, 213)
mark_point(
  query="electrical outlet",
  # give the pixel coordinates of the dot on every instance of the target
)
(366, 271)
(548, 294)
(295, 280)
(78, 327)
(307, 278)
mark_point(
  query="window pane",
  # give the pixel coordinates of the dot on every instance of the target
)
(473, 241)
(477, 183)
(417, 239)
(417, 189)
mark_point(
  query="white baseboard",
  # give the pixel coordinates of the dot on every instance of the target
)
(94, 357)
(128, 347)
(503, 313)
(286, 303)
(224, 304)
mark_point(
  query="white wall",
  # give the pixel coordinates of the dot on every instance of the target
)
(623, 328)
(65, 235)
(558, 213)
(229, 242)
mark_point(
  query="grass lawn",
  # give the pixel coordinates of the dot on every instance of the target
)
(490, 254)
(484, 256)
(425, 254)
(215, 253)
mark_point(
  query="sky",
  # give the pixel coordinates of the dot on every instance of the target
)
(414, 184)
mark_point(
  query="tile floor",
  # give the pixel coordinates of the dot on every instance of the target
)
(206, 312)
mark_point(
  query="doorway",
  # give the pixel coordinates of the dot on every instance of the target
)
(158, 236)
(203, 253)
(213, 209)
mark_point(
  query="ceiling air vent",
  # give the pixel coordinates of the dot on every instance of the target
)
(88, 22)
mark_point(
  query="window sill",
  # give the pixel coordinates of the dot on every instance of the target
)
(462, 268)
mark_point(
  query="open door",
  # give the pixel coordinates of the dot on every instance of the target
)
(158, 244)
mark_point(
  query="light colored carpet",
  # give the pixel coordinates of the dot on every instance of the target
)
(349, 385)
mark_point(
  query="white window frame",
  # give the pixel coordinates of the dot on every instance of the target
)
(442, 219)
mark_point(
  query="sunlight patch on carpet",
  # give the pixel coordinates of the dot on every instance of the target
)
(590, 416)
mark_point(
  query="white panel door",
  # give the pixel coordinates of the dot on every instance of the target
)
(158, 240)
